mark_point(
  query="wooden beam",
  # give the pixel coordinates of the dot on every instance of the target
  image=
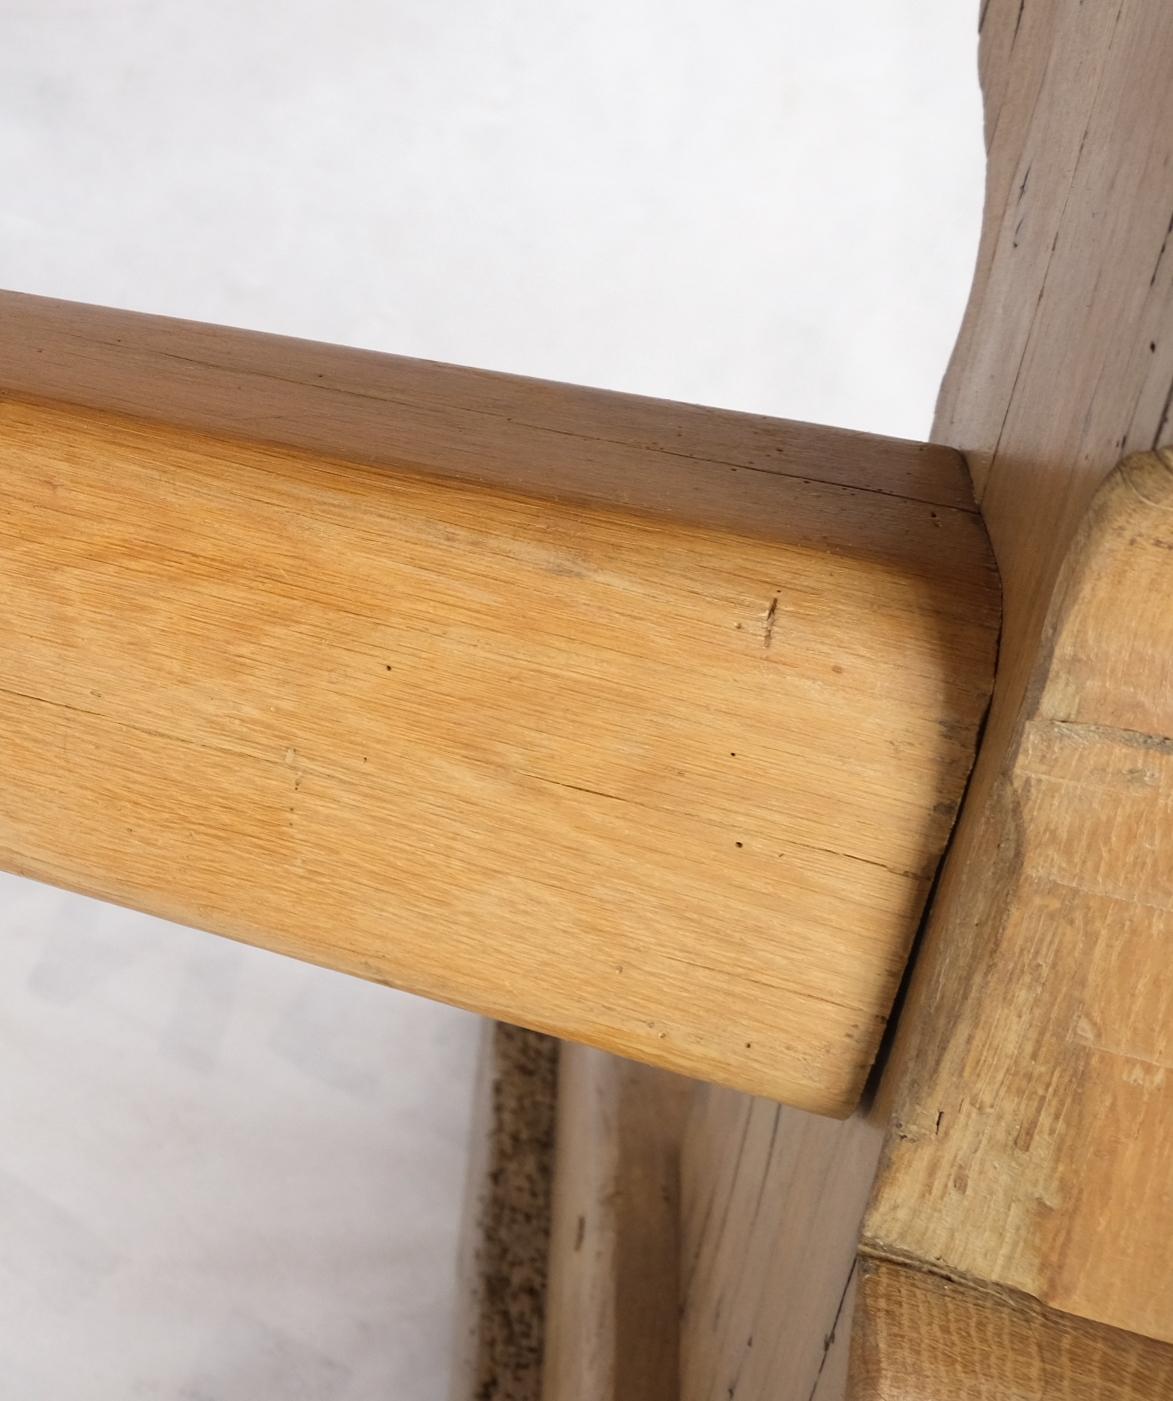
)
(1029, 1090)
(773, 1199)
(1074, 1022)
(573, 725)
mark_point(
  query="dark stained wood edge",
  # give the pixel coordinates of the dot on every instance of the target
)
(497, 430)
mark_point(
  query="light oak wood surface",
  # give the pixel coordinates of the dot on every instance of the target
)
(1017, 1238)
(1046, 1166)
(921, 1337)
(612, 1313)
(1051, 1162)
(772, 1201)
(669, 783)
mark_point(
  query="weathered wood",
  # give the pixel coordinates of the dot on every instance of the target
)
(919, 1337)
(772, 1203)
(1046, 1164)
(1065, 358)
(1031, 1128)
(548, 440)
(546, 759)
(1049, 1162)
(1064, 363)
(612, 1305)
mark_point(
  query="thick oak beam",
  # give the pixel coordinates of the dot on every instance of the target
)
(636, 723)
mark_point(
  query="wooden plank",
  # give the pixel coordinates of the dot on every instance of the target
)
(923, 1338)
(1029, 1143)
(1050, 1162)
(505, 1239)
(548, 760)
(833, 1379)
(612, 1308)
(1065, 358)
(772, 1203)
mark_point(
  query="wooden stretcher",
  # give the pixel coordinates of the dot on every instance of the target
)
(798, 803)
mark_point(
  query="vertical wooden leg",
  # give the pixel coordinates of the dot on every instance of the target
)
(772, 1204)
(612, 1313)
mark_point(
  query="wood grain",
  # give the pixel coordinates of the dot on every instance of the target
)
(576, 768)
(560, 441)
(919, 1337)
(1030, 1139)
(1064, 363)
(772, 1204)
(612, 1308)
(1050, 1167)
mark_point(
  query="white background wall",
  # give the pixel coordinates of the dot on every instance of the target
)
(225, 1176)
